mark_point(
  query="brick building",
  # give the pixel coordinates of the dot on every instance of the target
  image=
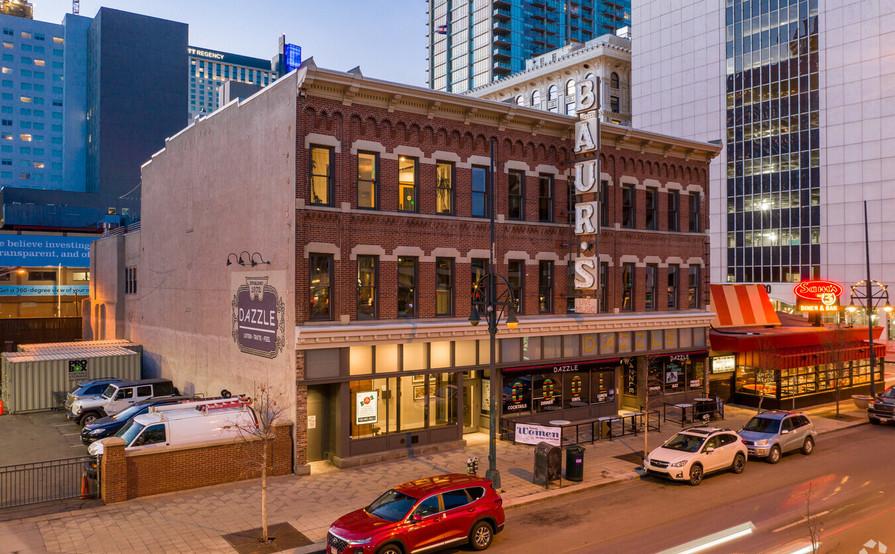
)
(352, 216)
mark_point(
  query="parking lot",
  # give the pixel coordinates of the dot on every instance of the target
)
(38, 437)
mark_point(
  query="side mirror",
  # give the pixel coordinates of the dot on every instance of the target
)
(416, 517)
(708, 450)
(784, 432)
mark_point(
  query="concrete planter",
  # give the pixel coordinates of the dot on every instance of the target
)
(861, 400)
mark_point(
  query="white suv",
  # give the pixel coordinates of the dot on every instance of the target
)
(695, 452)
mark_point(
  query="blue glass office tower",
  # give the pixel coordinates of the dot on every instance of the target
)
(474, 42)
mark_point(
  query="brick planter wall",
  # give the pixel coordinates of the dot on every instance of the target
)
(127, 475)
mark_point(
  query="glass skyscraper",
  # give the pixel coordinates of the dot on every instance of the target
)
(475, 42)
(209, 69)
(773, 141)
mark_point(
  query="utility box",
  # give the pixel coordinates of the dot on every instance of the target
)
(39, 380)
(548, 464)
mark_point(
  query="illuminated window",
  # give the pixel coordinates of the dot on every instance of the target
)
(58, 40)
(26, 34)
(38, 165)
(7, 136)
(26, 99)
(7, 45)
(407, 184)
(39, 62)
(25, 137)
(6, 70)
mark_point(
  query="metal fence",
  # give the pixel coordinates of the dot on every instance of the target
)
(24, 484)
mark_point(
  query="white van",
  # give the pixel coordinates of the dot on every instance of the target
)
(181, 424)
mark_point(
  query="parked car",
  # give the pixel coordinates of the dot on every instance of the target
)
(882, 409)
(118, 396)
(771, 434)
(109, 425)
(692, 453)
(94, 387)
(177, 425)
(426, 514)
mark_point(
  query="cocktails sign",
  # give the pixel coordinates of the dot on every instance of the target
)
(818, 296)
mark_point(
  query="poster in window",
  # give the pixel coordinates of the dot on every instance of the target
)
(604, 386)
(367, 407)
(486, 396)
(576, 389)
(547, 393)
(517, 394)
(674, 376)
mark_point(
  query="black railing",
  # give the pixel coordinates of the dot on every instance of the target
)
(37, 482)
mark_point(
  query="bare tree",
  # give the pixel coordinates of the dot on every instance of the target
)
(268, 414)
(812, 522)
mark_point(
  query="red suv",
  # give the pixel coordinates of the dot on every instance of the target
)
(426, 514)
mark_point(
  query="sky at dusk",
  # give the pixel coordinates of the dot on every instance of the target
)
(387, 38)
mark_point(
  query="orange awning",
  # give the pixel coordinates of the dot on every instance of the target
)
(742, 306)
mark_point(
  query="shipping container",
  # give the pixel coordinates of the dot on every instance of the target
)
(34, 381)
(44, 346)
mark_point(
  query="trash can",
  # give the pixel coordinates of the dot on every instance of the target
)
(575, 463)
(548, 464)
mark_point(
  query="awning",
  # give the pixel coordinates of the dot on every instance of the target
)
(742, 306)
(800, 357)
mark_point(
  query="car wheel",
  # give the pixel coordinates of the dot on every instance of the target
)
(87, 419)
(874, 421)
(774, 455)
(481, 535)
(696, 474)
(390, 549)
(808, 447)
(739, 464)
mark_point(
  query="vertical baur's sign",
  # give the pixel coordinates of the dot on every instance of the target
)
(259, 315)
(587, 188)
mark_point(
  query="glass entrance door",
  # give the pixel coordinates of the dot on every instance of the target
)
(471, 407)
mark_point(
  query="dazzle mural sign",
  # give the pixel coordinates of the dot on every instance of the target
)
(818, 296)
(259, 317)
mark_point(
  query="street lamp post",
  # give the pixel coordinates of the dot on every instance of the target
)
(870, 295)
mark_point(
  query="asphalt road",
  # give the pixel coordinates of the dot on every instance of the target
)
(847, 486)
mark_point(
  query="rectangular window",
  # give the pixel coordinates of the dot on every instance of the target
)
(516, 195)
(673, 287)
(693, 287)
(367, 277)
(545, 198)
(652, 209)
(320, 300)
(480, 186)
(614, 104)
(478, 270)
(444, 286)
(604, 203)
(545, 286)
(515, 278)
(604, 287)
(652, 285)
(41, 275)
(367, 180)
(695, 212)
(322, 165)
(674, 204)
(444, 188)
(628, 287)
(571, 200)
(571, 293)
(628, 218)
(407, 287)
(130, 280)
(407, 184)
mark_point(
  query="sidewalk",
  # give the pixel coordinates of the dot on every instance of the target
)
(195, 521)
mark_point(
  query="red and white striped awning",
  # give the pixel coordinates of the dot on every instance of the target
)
(742, 306)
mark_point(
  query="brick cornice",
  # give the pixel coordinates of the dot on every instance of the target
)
(313, 336)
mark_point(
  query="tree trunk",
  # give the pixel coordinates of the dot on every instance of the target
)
(264, 537)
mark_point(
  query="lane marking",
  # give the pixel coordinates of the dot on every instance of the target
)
(713, 540)
(799, 522)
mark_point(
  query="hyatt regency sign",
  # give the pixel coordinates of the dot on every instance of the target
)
(587, 182)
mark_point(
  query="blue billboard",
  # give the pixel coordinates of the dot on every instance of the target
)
(44, 251)
(291, 57)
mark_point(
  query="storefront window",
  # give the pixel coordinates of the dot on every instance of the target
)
(444, 398)
(575, 389)
(547, 392)
(674, 376)
(412, 407)
(516, 394)
(360, 360)
(655, 378)
(386, 358)
(414, 356)
(604, 386)
(696, 374)
(369, 407)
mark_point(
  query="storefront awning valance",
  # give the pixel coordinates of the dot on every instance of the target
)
(800, 357)
(742, 306)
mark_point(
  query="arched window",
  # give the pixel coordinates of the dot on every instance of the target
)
(520, 101)
(613, 80)
(535, 98)
(589, 76)
(552, 93)
(570, 88)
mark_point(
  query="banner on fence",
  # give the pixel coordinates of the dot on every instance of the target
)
(527, 433)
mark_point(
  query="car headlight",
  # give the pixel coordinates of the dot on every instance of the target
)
(762, 442)
(359, 541)
(681, 463)
(97, 431)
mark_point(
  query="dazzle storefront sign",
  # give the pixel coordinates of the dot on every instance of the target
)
(534, 434)
(818, 296)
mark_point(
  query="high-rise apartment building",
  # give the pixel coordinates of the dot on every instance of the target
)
(210, 69)
(474, 42)
(802, 95)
